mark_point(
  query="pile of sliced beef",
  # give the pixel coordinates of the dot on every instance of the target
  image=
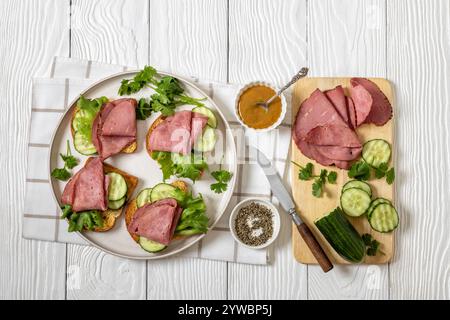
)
(114, 127)
(88, 188)
(324, 129)
(157, 220)
(177, 133)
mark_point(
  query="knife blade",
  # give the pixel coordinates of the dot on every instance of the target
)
(285, 199)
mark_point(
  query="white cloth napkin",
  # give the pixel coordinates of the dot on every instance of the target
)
(51, 96)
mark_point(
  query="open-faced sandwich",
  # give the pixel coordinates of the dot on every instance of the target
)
(163, 213)
(96, 195)
(180, 141)
(104, 127)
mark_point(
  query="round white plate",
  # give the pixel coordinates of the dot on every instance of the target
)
(118, 241)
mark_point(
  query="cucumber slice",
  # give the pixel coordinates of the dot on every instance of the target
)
(375, 152)
(207, 141)
(116, 204)
(374, 203)
(162, 191)
(355, 202)
(150, 245)
(212, 120)
(83, 145)
(357, 184)
(117, 186)
(143, 197)
(384, 218)
(77, 119)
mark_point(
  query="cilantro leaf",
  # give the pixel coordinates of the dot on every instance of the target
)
(140, 80)
(61, 174)
(390, 176)
(332, 177)
(360, 171)
(222, 177)
(323, 175)
(381, 170)
(317, 188)
(70, 161)
(373, 246)
(144, 109)
(306, 173)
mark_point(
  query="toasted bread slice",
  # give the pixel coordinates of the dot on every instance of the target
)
(128, 149)
(110, 216)
(132, 207)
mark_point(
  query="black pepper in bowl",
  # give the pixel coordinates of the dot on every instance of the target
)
(254, 224)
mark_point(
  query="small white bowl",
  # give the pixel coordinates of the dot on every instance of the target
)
(260, 83)
(275, 219)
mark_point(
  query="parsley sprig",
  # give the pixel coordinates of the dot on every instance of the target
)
(222, 177)
(70, 162)
(373, 246)
(85, 220)
(169, 94)
(362, 171)
(306, 173)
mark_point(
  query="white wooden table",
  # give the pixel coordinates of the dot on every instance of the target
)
(406, 41)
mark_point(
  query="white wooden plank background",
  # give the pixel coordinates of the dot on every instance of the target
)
(407, 41)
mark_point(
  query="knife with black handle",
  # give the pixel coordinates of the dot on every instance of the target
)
(285, 199)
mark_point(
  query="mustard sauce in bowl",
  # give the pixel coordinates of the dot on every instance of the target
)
(255, 116)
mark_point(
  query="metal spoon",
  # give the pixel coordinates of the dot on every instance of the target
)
(302, 73)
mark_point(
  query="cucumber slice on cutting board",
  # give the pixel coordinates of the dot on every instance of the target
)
(355, 202)
(384, 218)
(116, 204)
(375, 152)
(374, 203)
(162, 191)
(358, 184)
(83, 145)
(150, 245)
(207, 141)
(143, 197)
(342, 236)
(117, 186)
(212, 120)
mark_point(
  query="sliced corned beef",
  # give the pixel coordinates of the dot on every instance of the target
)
(177, 133)
(87, 190)
(351, 113)
(156, 221)
(333, 135)
(362, 101)
(338, 99)
(316, 111)
(114, 127)
(381, 109)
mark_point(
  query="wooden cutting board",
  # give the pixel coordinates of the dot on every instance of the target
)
(311, 208)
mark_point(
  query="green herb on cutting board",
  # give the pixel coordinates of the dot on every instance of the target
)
(70, 162)
(362, 171)
(372, 245)
(168, 95)
(306, 173)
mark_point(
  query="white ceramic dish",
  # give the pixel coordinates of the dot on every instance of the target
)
(275, 218)
(260, 83)
(117, 241)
